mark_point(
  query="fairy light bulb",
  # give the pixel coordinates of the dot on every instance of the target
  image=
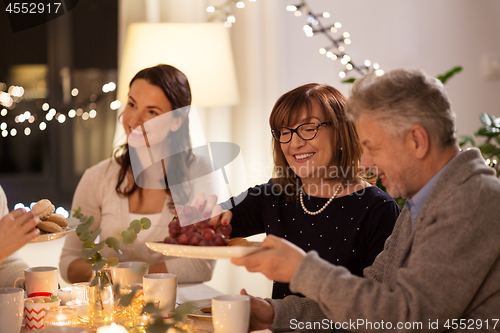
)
(298, 13)
(379, 72)
(92, 113)
(27, 131)
(368, 63)
(333, 30)
(42, 126)
(375, 66)
(342, 74)
(341, 48)
(240, 4)
(337, 25)
(210, 9)
(346, 35)
(3, 112)
(349, 67)
(231, 19)
(329, 54)
(308, 30)
(45, 106)
(326, 15)
(74, 92)
(322, 50)
(13, 132)
(291, 8)
(347, 41)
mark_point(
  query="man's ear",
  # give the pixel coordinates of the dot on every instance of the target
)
(176, 124)
(419, 141)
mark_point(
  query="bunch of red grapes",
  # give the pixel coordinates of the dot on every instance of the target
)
(195, 233)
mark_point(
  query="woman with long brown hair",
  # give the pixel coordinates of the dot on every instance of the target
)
(127, 186)
(318, 198)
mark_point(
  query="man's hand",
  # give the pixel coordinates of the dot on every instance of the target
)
(261, 313)
(16, 229)
(278, 262)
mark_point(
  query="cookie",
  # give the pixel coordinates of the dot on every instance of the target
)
(43, 209)
(49, 226)
(238, 241)
(57, 219)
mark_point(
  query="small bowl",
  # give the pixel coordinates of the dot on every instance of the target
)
(34, 313)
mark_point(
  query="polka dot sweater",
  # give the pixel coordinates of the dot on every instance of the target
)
(351, 231)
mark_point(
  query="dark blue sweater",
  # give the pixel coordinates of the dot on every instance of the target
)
(350, 232)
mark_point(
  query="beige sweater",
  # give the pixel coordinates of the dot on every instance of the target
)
(446, 267)
(96, 195)
(13, 266)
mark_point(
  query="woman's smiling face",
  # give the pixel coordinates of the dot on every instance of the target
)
(311, 158)
(146, 102)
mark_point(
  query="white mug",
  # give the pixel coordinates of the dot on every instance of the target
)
(231, 313)
(129, 272)
(161, 287)
(11, 309)
(40, 281)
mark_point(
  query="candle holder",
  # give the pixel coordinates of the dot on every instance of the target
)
(61, 316)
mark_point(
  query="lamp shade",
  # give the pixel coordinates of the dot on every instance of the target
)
(202, 51)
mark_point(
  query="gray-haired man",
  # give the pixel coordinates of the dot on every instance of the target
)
(440, 269)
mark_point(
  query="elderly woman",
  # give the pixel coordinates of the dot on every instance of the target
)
(318, 198)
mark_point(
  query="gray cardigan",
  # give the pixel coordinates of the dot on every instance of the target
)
(446, 267)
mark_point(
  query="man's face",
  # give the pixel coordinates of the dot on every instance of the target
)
(387, 156)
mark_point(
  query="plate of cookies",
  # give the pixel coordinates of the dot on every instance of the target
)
(52, 226)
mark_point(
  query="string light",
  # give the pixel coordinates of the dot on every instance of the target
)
(42, 126)
(27, 131)
(3, 112)
(240, 4)
(74, 92)
(45, 106)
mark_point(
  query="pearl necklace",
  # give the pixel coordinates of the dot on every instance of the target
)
(322, 208)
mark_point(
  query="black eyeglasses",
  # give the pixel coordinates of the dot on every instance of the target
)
(305, 131)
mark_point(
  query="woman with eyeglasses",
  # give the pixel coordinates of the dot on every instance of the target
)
(318, 197)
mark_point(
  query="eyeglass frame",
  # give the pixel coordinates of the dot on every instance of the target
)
(296, 131)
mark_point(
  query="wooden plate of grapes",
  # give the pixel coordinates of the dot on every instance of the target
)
(200, 240)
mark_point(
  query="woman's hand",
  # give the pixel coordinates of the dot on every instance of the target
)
(261, 313)
(209, 210)
(278, 262)
(16, 230)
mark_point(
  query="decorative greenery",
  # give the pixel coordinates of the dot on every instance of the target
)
(490, 148)
(446, 76)
(158, 324)
(91, 250)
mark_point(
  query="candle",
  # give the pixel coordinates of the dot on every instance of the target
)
(113, 328)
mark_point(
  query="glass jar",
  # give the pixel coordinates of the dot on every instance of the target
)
(61, 316)
(101, 300)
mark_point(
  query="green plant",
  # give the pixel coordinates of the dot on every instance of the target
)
(490, 148)
(91, 250)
